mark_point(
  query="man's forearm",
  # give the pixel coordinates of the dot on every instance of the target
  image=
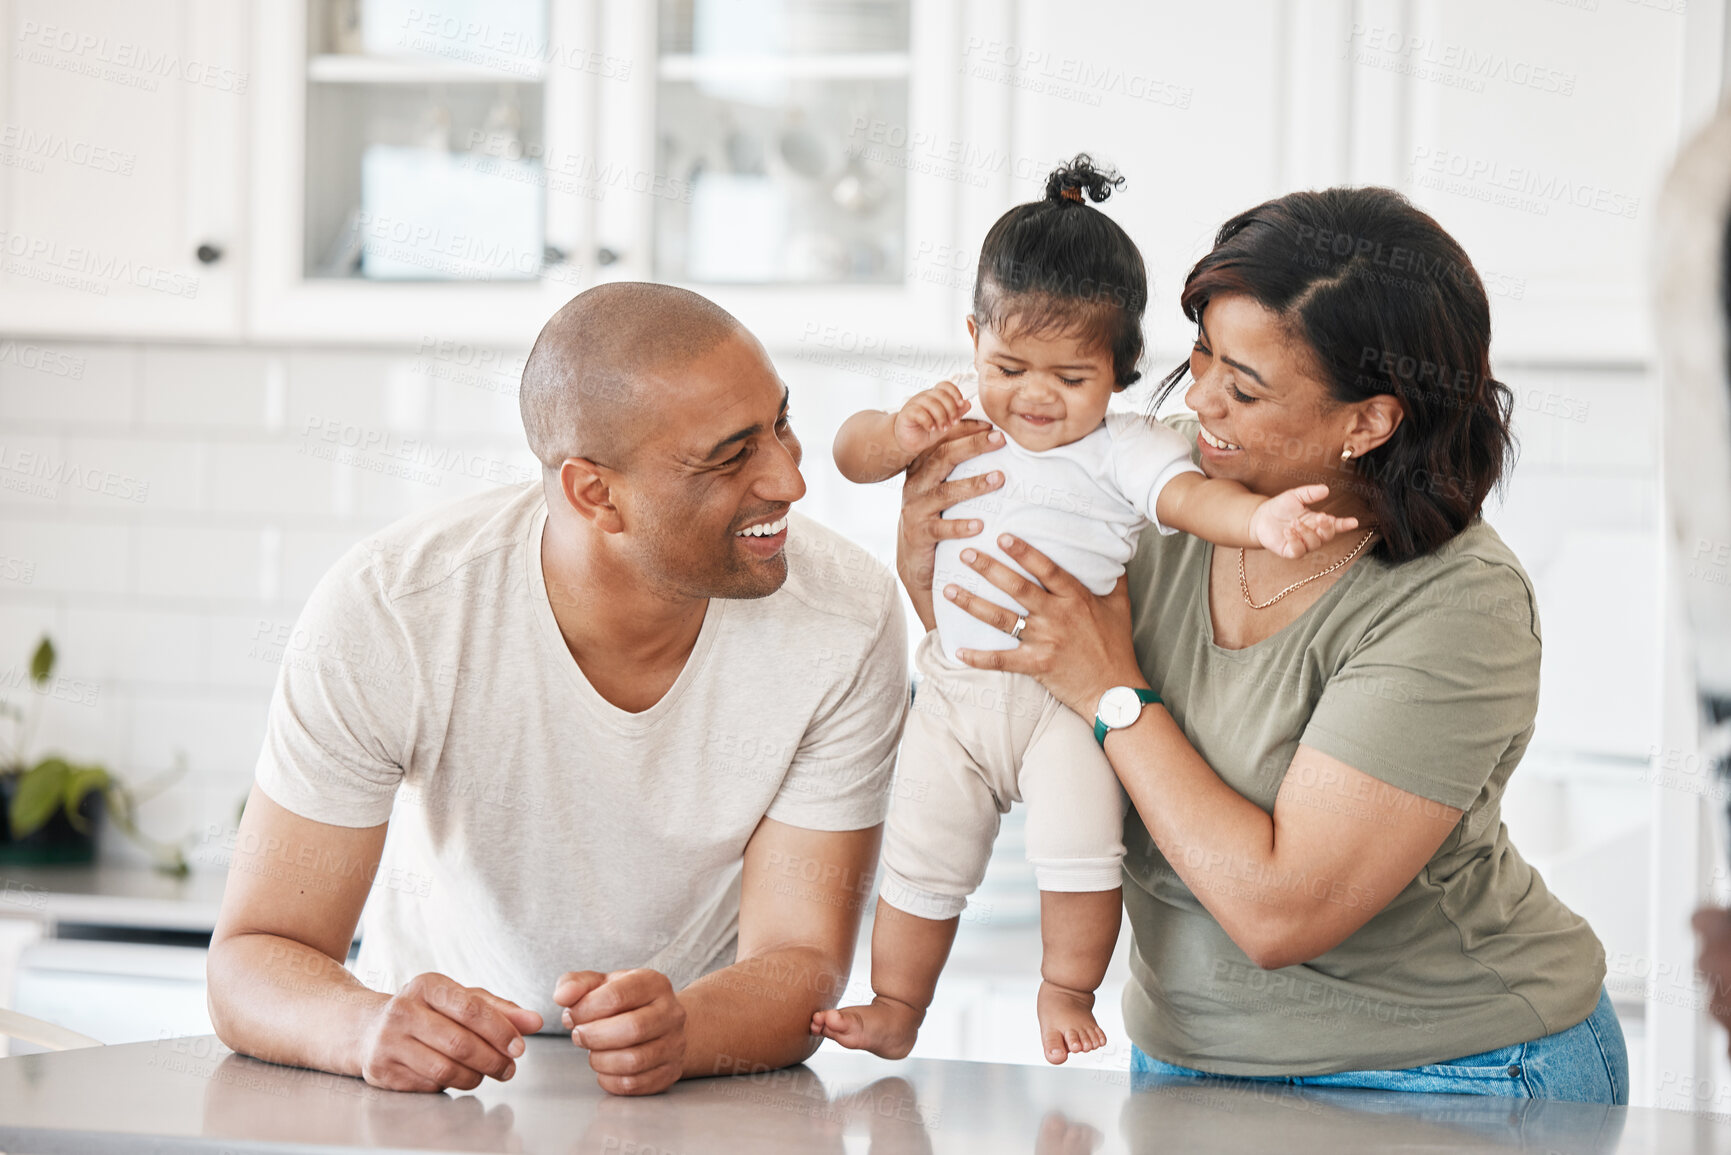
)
(283, 1001)
(756, 1014)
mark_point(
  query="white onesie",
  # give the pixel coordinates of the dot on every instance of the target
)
(1081, 505)
(979, 740)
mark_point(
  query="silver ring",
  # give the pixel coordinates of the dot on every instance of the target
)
(1016, 630)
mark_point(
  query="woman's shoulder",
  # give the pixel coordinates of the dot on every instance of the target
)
(1474, 572)
(1185, 424)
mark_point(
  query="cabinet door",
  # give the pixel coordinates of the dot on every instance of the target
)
(119, 169)
(425, 175)
(800, 164)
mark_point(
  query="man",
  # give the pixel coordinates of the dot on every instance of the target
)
(630, 730)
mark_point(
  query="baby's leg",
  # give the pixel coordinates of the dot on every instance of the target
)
(1075, 836)
(943, 819)
(908, 954)
(1078, 930)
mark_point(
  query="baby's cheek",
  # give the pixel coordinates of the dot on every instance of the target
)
(996, 402)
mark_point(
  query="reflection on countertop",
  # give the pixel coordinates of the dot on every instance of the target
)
(178, 1090)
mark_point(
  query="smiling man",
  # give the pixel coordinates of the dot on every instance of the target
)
(630, 729)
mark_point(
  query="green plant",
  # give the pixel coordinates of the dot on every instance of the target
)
(54, 783)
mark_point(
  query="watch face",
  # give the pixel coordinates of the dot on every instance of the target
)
(1119, 707)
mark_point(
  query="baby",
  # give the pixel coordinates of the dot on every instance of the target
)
(1057, 329)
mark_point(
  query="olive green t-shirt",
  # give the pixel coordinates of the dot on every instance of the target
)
(1424, 676)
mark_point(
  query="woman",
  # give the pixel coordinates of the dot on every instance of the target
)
(1319, 886)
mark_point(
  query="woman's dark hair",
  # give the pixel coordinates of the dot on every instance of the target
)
(1056, 265)
(1385, 302)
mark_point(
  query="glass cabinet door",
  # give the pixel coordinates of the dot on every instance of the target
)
(758, 104)
(424, 139)
(463, 168)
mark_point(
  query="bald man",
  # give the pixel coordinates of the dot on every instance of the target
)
(630, 729)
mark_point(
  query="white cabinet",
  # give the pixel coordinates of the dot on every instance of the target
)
(404, 185)
(117, 992)
(461, 172)
(120, 169)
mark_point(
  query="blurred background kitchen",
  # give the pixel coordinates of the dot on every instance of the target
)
(269, 270)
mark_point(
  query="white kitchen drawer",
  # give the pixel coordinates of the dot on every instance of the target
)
(114, 991)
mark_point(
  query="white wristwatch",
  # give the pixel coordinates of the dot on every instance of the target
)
(1120, 707)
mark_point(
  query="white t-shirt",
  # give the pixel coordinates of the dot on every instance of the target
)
(1080, 504)
(536, 828)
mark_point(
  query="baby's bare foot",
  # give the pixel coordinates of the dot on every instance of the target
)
(886, 1028)
(1067, 1025)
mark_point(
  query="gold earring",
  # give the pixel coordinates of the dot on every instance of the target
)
(1346, 454)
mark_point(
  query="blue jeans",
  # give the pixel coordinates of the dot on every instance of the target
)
(1588, 1063)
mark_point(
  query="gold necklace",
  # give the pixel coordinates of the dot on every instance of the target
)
(1244, 582)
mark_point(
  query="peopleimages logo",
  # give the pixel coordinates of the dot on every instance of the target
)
(87, 270)
(120, 61)
(1532, 189)
(1451, 63)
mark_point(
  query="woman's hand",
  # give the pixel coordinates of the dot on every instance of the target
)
(925, 496)
(1077, 645)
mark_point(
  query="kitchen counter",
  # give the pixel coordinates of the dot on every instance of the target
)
(129, 897)
(191, 1094)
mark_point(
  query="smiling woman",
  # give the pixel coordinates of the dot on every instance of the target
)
(1317, 878)
(1381, 315)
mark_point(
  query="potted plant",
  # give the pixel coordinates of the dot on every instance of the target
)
(53, 804)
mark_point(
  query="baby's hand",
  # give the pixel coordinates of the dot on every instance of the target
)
(1283, 525)
(927, 416)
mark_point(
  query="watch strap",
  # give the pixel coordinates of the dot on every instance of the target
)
(1149, 698)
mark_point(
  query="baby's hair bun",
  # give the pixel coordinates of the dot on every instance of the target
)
(1070, 181)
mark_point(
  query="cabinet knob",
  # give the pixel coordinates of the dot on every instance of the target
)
(208, 254)
(607, 256)
(552, 255)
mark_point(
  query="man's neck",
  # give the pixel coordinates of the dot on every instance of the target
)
(629, 641)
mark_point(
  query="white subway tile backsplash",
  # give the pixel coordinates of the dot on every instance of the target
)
(134, 473)
(218, 388)
(307, 554)
(274, 478)
(84, 720)
(245, 650)
(1587, 419)
(408, 396)
(417, 475)
(69, 556)
(135, 645)
(473, 402)
(22, 626)
(218, 732)
(199, 562)
(1589, 646)
(31, 468)
(66, 382)
(1542, 507)
(345, 388)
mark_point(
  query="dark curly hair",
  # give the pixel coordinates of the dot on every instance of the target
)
(1056, 265)
(1385, 302)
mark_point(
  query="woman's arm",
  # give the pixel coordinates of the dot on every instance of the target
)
(1286, 886)
(925, 496)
